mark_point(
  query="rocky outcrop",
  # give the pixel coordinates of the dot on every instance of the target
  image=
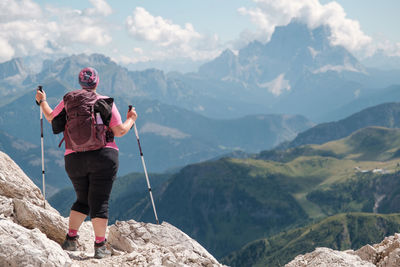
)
(20, 246)
(384, 254)
(14, 184)
(328, 257)
(157, 245)
(31, 233)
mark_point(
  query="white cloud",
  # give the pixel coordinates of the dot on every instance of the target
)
(84, 30)
(75, 26)
(131, 60)
(390, 49)
(100, 7)
(15, 10)
(6, 51)
(175, 40)
(138, 50)
(27, 29)
(278, 85)
(142, 25)
(271, 13)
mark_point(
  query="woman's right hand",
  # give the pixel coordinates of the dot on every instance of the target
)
(122, 129)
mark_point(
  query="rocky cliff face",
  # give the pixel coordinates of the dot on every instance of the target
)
(384, 254)
(31, 232)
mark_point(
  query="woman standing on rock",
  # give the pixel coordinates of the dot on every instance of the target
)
(89, 122)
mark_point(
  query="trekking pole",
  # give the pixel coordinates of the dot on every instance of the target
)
(145, 170)
(42, 148)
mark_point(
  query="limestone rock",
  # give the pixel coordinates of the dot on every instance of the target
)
(328, 257)
(384, 254)
(6, 207)
(22, 247)
(388, 252)
(15, 184)
(164, 244)
(48, 221)
(367, 253)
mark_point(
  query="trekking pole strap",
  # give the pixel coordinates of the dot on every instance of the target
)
(137, 138)
(41, 123)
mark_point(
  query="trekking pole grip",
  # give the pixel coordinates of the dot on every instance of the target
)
(41, 90)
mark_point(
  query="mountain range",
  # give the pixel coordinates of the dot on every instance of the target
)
(171, 136)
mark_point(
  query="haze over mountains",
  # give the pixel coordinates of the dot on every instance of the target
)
(297, 72)
(295, 90)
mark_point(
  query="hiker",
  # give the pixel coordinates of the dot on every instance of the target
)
(91, 166)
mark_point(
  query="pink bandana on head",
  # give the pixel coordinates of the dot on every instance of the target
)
(88, 78)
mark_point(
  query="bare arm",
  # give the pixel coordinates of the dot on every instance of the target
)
(122, 129)
(41, 98)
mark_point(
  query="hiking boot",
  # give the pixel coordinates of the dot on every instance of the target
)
(102, 250)
(70, 243)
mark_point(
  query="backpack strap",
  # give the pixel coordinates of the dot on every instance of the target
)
(62, 140)
(104, 107)
(59, 121)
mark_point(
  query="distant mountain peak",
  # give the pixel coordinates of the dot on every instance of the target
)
(12, 67)
(92, 59)
(294, 49)
(227, 53)
(295, 29)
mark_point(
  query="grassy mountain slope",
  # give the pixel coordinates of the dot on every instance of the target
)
(369, 192)
(385, 115)
(340, 232)
(339, 161)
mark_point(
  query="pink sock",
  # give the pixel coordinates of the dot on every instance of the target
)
(72, 232)
(100, 239)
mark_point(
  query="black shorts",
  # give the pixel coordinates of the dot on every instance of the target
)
(92, 174)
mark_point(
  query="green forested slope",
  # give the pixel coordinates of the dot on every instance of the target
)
(339, 232)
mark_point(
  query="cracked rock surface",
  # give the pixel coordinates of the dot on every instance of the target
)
(384, 254)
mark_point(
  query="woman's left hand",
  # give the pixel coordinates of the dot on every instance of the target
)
(40, 95)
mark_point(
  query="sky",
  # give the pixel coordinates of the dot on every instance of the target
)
(148, 30)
